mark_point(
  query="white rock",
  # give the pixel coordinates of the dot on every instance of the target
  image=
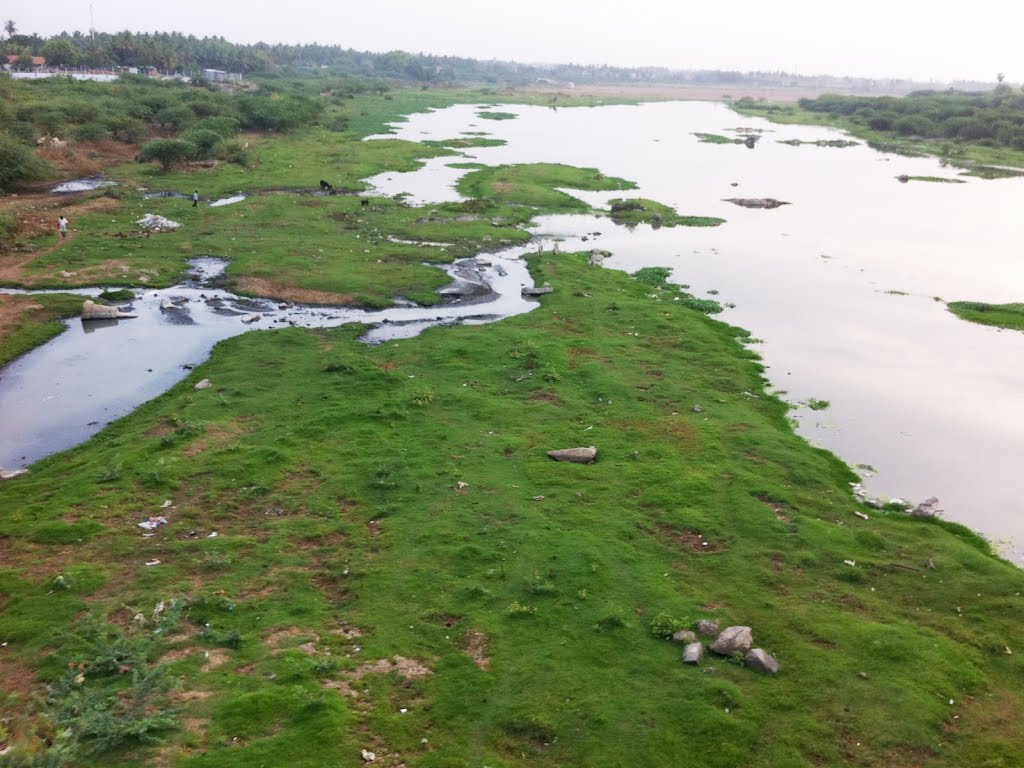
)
(204, 384)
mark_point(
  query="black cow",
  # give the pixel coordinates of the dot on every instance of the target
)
(364, 201)
(326, 186)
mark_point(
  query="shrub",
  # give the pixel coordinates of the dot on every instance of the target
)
(665, 625)
(168, 152)
(19, 165)
(205, 141)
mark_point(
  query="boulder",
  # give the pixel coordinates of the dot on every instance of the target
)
(927, 508)
(93, 311)
(733, 640)
(684, 636)
(707, 628)
(204, 384)
(761, 661)
(693, 653)
(575, 455)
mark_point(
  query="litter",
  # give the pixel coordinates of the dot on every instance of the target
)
(861, 515)
(850, 563)
(153, 523)
(152, 562)
(157, 223)
(212, 535)
(166, 504)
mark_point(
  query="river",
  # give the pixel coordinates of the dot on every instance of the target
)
(845, 286)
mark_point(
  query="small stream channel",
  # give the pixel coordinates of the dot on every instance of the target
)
(62, 393)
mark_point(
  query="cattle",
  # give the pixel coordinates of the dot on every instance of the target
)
(326, 186)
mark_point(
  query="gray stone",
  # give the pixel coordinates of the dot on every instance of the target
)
(575, 455)
(693, 653)
(756, 202)
(707, 628)
(733, 640)
(93, 311)
(204, 384)
(927, 508)
(537, 290)
(761, 661)
(684, 636)
(697, 409)
(10, 474)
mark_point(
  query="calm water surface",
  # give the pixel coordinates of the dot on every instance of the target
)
(841, 285)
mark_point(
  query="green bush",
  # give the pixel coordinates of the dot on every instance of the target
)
(205, 141)
(168, 152)
(19, 165)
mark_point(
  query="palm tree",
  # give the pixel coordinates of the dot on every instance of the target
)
(10, 27)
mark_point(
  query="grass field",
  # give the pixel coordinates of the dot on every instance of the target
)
(367, 548)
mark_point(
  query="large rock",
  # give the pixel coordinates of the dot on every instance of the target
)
(761, 661)
(537, 290)
(684, 636)
(707, 628)
(693, 653)
(927, 508)
(733, 640)
(575, 455)
(93, 311)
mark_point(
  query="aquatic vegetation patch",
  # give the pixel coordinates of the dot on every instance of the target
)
(538, 185)
(714, 138)
(497, 115)
(1000, 315)
(637, 210)
(837, 143)
(464, 143)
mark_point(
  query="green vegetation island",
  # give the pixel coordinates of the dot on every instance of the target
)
(361, 554)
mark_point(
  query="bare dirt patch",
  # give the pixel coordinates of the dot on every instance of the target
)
(215, 658)
(686, 538)
(216, 435)
(16, 678)
(475, 647)
(259, 286)
(410, 669)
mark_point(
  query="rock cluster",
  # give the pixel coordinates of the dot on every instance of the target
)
(731, 641)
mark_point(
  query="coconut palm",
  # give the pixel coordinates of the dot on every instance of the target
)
(10, 27)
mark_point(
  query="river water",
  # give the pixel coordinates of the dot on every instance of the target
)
(841, 285)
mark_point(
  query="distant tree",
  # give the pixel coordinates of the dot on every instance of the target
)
(60, 53)
(1000, 77)
(10, 27)
(168, 152)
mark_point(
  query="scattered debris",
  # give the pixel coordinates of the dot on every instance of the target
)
(155, 223)
(861, 515)
(851, 563)
(93, 311)
(152, 562)
(368, 756)
(153, 523)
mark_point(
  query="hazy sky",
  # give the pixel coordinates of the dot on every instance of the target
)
(877, 38)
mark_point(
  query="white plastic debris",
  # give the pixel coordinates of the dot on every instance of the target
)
(851, 563)
(155, 223)
(153, 523)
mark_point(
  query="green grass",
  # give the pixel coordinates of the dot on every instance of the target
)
(936, 179)
(394, 489)
(496, 115)
(38, 321)
(837, 143)
(465, 143)
(1001, 315)
(536, 185)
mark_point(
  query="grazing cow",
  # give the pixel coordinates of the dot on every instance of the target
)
(326, 186)
(364, 201)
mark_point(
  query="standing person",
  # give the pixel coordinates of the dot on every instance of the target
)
(195, 198)
(62, 226)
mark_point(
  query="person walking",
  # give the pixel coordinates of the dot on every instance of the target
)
(62, 226)
(195, 198)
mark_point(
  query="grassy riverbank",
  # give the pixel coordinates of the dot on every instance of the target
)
(367, 548)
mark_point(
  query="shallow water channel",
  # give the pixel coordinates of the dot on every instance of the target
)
(843, 286)
(65, 391)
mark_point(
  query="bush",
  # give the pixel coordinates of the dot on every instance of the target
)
(168, 152)
(19, 165)
(665, 625)
(234, 152)
(205, 141)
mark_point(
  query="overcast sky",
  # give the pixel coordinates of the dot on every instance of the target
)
(938, 40)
